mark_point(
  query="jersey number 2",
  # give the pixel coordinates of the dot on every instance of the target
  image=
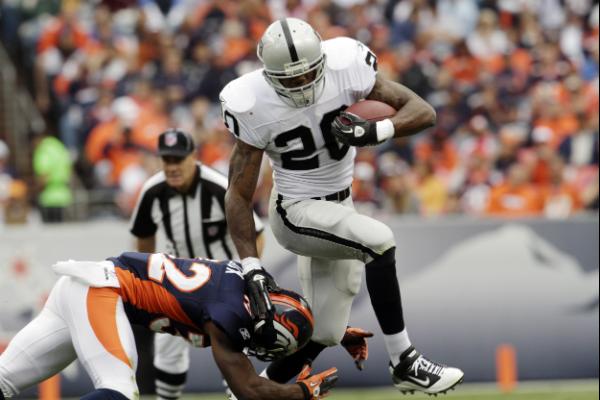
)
(159, 266)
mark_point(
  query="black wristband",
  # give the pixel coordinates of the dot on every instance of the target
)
(307, 395)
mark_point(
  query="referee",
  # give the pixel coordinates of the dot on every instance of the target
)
(185, 200)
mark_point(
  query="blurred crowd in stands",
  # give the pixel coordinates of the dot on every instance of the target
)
(514, 83)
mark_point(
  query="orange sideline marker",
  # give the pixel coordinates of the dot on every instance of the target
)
(506, 367)
(50, 388)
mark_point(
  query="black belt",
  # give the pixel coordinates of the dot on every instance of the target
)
(338, 196)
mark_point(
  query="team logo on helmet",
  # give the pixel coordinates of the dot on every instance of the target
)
(289, 325)
(293, 323)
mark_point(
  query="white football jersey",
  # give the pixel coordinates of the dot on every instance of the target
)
(306, 158)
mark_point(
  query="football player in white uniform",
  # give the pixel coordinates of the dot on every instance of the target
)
(292, 110)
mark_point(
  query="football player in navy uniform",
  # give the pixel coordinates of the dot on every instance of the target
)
(91, 308)
(292, 109)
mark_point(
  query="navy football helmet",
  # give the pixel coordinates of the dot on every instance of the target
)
(293, 322)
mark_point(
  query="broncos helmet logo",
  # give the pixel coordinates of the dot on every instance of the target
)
(293, 321)
(289, 325)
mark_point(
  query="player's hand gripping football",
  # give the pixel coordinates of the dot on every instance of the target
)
(355, 343)
(258, 284)
(316, 386)
(353, 130)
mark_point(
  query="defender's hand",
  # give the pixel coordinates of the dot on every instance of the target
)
(316, 386)
(355, 343)
(258, 284)
(353, 130)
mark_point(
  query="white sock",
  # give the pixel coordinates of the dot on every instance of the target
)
(396, 344)
(263, 374)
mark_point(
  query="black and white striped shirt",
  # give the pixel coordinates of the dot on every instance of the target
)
(194, 223)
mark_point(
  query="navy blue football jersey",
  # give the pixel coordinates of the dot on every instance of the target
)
(176, 296)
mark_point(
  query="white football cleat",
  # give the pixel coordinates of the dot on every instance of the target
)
(416, 373)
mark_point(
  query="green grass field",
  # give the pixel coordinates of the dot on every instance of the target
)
(561, 390)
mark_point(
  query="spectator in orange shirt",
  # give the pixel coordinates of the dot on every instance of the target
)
(560, 199)
(430, 189)
(540, 155)
(110, 146)
(236, 44)
(516, 197)
(462, 66)
(576, 95)
(151, 121)
(439, 150)
(561, 122)
(67, 20)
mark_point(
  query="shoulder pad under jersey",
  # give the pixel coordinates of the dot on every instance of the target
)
(342, 52)
(238, 96)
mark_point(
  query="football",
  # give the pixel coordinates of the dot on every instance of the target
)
(371, 110)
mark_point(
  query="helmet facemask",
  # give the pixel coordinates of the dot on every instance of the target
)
(298, 96)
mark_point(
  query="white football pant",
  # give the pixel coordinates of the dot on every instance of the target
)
(80, 322)
(333, 241)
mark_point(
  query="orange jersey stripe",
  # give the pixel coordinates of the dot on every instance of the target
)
(151, 297)
(102, 314)
(293, 303)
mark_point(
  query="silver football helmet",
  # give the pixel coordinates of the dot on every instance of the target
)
(294, 62)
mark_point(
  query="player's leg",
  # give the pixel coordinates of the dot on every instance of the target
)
(333, 230)
(329, 286)
(102, 337)
(38, 351)
(171, 363)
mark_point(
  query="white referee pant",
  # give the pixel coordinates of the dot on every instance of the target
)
(171, 353)
(333, 241)
(76, 322)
